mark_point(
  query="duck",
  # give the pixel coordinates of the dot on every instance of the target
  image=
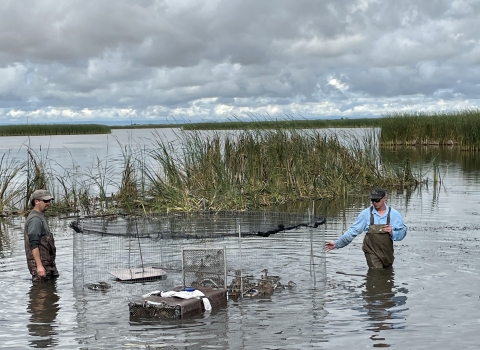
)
(291, 284)
(265, 287)
(251, 293)
(278, 285)
(98, 286)
(265, 277)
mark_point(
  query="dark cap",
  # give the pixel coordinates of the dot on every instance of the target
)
(377, 193)
(40, 194)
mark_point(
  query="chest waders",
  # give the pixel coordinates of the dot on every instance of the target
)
(46, 248)
(378, 245)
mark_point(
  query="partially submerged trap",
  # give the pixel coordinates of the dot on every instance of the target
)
(249, 286)
(218, 250)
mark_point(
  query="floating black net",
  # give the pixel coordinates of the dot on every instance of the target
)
(196, 225)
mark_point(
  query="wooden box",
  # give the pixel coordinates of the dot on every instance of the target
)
(172, 307)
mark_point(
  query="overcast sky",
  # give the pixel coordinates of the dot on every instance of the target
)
(202, 60)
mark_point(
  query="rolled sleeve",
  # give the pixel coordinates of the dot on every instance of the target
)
(359, 226)
(399, 230)
(34, 231)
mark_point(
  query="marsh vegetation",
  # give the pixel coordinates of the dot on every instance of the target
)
(454, 128)
(53, 129)
(216, 171)
(256, 123)
(264, 164)
(461, 128)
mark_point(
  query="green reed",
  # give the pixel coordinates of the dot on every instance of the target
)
(72, 189)
(263, 168)
(53, 129)
(11, 187)
(165, 177)
(251, 169)
(144, 126)
(460, 128)
(433, 128)
(262, 123)
(101, 175)
(37, 173)
(132, 191)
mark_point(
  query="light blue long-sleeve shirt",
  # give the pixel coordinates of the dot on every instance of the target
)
(399, 230)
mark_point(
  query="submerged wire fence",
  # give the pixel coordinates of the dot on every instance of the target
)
(124, 257)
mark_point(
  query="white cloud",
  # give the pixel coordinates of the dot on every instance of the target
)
(207, 60)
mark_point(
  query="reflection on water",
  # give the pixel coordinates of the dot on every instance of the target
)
(381, 303)
(43, 307)
(6, 245)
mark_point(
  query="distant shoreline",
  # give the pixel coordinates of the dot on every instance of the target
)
(397, 129)
(80, 129)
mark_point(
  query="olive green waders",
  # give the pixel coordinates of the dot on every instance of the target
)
(378, 245)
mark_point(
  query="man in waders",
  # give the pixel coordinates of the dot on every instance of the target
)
(382, 225)
(39, 243)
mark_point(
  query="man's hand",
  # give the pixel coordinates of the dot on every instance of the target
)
(41, 271)
(387, 229)
(38, 261)
(329, 246)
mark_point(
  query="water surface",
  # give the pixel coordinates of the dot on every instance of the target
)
(429, 300)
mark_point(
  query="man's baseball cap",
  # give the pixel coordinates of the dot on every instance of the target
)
(377, 193)
(40, 194)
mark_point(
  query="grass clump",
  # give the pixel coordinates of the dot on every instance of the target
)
(11, 184)
(289, 123)
(433, 128)
(263, 168)
(53, 129)
(213, 171)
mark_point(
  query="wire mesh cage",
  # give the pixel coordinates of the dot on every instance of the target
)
(126, 256)
(204, 267)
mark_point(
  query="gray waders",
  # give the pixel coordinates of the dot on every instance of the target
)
(378, 245)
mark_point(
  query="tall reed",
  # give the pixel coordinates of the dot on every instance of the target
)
(37, 176)
(263, 168)
(248, 169)
(53, 129)
(131, 192)
(433, 128)
(166, 177)
(11, 185)
(289, 122)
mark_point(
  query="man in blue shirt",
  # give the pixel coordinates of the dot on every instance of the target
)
(382, 225)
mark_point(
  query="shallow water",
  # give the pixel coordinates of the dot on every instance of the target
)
(58, 315)
(430, 300)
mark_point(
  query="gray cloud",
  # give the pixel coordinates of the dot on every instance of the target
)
(211, 59)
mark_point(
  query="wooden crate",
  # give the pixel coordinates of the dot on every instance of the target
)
(172, 307)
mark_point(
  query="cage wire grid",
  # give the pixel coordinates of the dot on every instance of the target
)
(117, 249)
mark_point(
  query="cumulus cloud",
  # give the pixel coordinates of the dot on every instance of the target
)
(211, 59)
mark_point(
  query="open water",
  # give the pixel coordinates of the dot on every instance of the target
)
(430, 300)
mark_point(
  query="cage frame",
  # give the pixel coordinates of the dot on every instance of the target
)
(222, 248)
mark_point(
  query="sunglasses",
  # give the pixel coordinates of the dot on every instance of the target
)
(376, 200)
(46, 200)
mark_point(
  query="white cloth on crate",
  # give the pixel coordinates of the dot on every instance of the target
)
(156, 292)
(196, 294)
